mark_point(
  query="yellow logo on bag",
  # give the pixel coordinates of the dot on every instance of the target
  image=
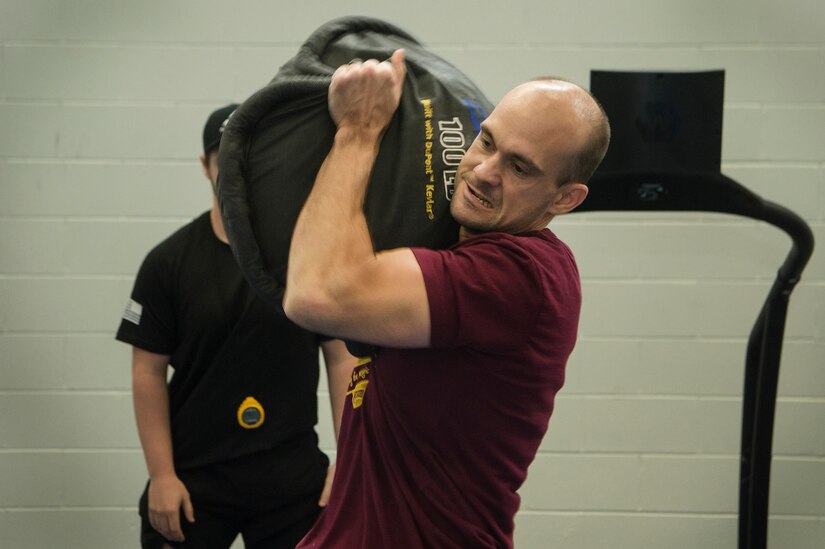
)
(250, 414)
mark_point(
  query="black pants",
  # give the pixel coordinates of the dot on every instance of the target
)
(249, 496)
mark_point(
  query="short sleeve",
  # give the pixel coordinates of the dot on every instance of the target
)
(485, 295)
(148, 320)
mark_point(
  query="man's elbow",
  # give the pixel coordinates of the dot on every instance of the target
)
(297, 306)
(308, 309)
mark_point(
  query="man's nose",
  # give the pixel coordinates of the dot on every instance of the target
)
(488, 171)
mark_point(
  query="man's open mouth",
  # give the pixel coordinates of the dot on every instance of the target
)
(483, 201)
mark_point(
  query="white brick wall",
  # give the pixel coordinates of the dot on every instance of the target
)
(101, 108)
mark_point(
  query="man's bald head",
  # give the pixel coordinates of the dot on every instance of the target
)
(589, 127)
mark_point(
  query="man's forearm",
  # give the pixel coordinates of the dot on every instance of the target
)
(151, 402)
(331, 239)
(339, 365)
(332, 263)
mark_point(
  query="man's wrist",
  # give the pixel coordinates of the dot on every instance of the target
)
(367, 137)
(163, 474)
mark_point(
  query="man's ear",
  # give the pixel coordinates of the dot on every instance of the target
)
(569, 197)
(205, 165)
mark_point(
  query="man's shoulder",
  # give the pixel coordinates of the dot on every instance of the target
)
(541, 252)
(535, 251)
(532, 242)
(173, 245)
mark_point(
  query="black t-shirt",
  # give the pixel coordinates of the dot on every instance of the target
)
(190, 301)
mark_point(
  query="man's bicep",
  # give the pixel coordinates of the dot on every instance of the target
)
(147, 362)
(390, 308)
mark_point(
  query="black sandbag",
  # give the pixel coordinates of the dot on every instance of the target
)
(275, 142)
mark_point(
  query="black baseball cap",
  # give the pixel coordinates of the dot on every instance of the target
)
(214, 127)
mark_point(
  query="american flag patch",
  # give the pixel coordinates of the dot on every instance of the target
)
(133, 312)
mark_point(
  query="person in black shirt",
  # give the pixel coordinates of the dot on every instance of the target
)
(229, 442)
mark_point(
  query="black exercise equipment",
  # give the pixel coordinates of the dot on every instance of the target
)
(275, 142)
(665, 156)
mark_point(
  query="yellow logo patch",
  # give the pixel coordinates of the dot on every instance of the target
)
(358, 383)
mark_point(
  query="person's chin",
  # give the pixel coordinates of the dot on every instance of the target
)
(473, 224)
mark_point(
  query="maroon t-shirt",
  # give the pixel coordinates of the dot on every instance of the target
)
(435, 442)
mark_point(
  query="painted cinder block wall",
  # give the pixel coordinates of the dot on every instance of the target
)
(101, 108)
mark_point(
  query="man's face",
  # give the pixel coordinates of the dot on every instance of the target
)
(507, 181)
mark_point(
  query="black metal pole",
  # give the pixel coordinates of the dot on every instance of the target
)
(757, 432)
(762, 379)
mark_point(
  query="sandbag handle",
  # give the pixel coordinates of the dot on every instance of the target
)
(232, 192)
(308, 59)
